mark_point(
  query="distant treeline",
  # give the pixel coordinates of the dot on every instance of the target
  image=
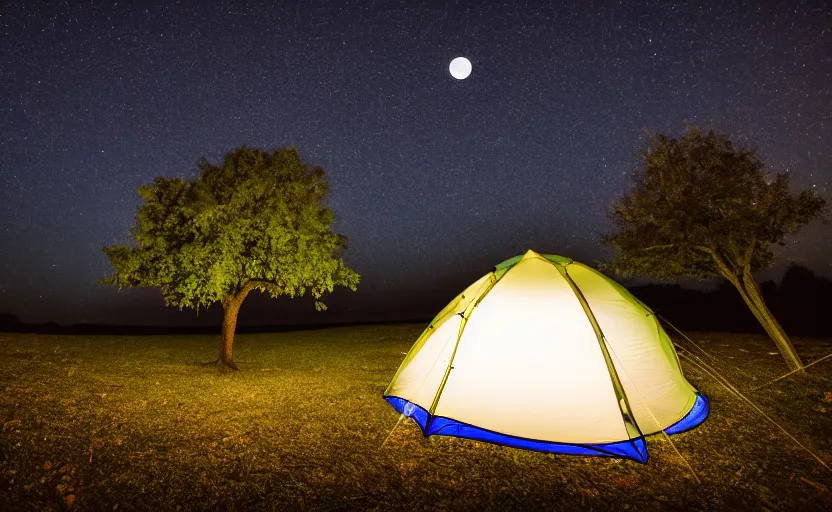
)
(11, 323)
(802, 303)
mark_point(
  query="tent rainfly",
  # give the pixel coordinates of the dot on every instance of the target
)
(545, 353)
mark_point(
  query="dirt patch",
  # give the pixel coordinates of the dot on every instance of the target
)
(136, 423)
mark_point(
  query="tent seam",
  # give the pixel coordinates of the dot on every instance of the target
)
(614, 377)
(476, 303)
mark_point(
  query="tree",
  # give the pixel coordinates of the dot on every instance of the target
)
(258, 221)
(702, 208)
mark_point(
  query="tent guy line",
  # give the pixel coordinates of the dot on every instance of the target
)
(824, 358)
(706, 368)
(711, 357)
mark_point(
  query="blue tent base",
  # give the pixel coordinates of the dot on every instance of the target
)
(634, 449)
(697, 414)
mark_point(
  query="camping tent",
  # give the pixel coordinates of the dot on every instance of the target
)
(548, 354)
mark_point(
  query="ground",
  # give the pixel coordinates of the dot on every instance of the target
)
(127, 423)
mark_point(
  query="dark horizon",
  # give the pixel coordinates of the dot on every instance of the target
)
(146, 308)
(434, 180)
(796, 299)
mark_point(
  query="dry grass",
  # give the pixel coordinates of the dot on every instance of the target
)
(135, 423)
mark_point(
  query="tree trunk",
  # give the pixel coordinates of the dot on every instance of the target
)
(231, 307)
(750, 292)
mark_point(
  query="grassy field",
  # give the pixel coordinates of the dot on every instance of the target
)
(136, 423)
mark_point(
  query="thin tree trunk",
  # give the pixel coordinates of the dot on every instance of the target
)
(750, 293)
(776, 332)
(231, 308)
(743, 280)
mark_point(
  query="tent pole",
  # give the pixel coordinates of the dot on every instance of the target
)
(469, 310)
(655, 420)
(621, 395)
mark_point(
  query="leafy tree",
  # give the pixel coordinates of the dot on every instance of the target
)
(702, 208)
(258, 221)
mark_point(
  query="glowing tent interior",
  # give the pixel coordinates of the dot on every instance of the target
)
(547, 354)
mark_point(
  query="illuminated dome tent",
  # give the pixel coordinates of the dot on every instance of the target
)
(547, 354)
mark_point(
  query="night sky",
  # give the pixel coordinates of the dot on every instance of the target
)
(434, 180)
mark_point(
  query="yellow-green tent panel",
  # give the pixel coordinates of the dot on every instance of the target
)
(548, 354)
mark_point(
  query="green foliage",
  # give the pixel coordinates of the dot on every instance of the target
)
(257, 221)
(701, 207)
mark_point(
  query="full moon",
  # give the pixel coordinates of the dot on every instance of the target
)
(460, 68)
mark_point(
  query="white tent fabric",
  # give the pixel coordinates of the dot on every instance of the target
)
(546, 350)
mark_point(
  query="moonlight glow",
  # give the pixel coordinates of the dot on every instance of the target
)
(460, 68)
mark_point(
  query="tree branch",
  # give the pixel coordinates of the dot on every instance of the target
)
(251, 284)
(721, 266)
(655, 247)
(749, 251)
(734, 250)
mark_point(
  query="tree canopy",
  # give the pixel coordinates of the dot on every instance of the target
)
(701, 207)
(257, 221)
